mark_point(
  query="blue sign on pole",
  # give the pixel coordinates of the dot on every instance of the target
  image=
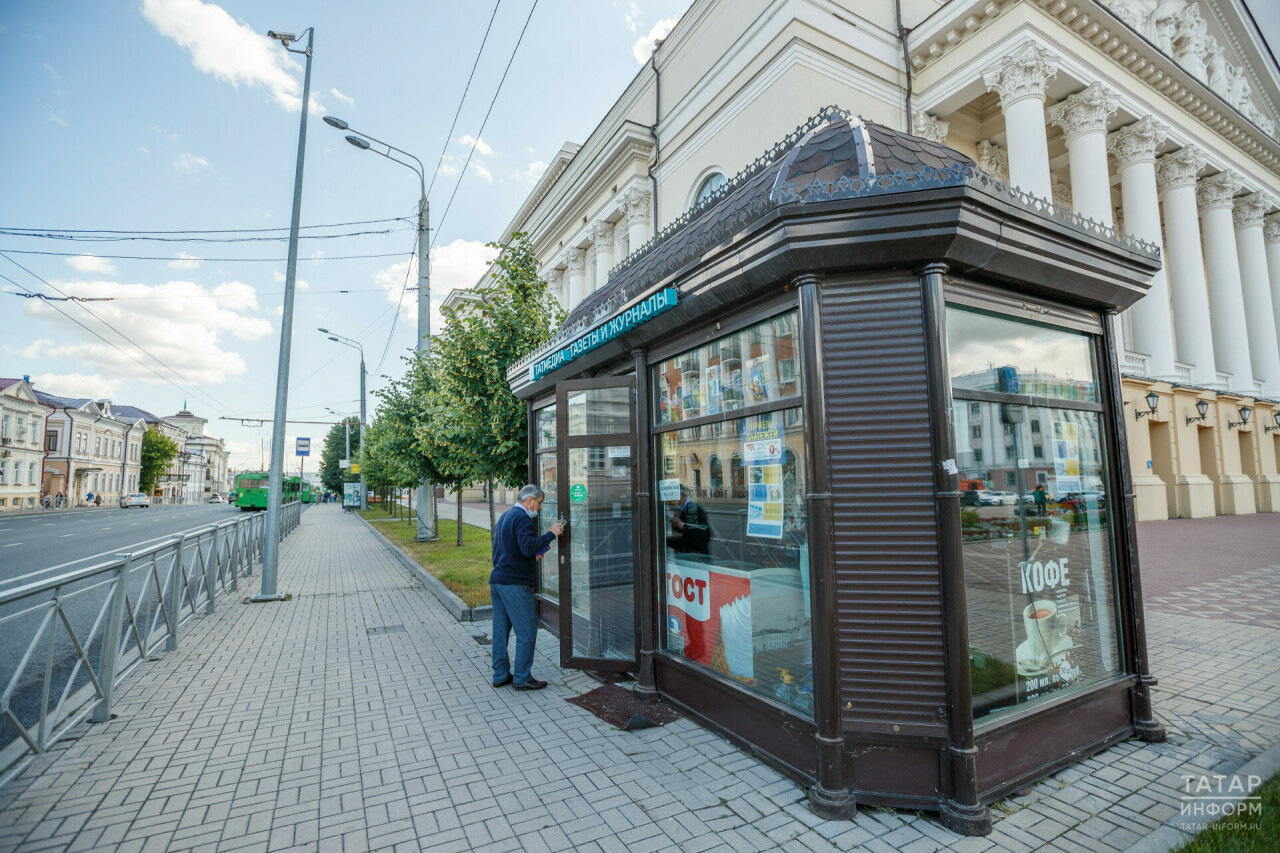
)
(303, 447)
(641, 312)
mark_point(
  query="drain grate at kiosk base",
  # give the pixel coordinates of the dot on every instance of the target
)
(621, 708)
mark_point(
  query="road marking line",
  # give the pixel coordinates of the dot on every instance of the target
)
(106, 528)
(65, 535)
(12, 544)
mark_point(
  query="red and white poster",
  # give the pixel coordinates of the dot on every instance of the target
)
(695, 597)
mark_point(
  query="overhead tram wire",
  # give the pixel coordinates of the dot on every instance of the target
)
(114, 345)
(448, 137)
(108, 238)
(207, 230)
(209, 260)
(462, 174)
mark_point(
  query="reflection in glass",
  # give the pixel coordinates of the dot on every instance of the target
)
(548, 568)
(601, 594)
(758, 365)
(736, 567)
(545, 427)
(988, 353)
(599, 411)
(1038, 556)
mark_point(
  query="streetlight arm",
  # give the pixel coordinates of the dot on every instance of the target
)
(419, 169)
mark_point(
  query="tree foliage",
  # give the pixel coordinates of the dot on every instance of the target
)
(158, 451)
(335, 450)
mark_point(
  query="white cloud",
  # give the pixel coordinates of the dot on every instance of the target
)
(57, 116)
(533, 172)
(481, 170)
(644, 45)
(228, 49)
(301, 284)
(92, 264)
(633, 17)
(190, 163)
(144, 149)
(50, 69)
(31, 350)
(482, 147)
(346, 99)
(183, 324)
(459, 264)
(77, 385)
(447, 167)
(184, 262)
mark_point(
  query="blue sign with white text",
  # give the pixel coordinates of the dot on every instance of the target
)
(641, 312)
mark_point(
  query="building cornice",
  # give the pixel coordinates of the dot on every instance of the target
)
(1107, 32)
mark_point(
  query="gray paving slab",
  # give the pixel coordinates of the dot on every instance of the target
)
(290, 727)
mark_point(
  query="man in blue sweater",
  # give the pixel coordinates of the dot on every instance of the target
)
(517, 548)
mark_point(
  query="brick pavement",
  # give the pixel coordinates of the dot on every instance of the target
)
(358, 717)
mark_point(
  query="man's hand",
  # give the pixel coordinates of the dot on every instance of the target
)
(557, 528)
(677, 523)
(537, 556)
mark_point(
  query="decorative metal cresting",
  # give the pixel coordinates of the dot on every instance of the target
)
(75, 636)
(871, 181)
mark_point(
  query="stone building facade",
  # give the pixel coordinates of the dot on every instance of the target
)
(1157, 117)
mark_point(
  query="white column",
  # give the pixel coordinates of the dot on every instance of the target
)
(1134, 148)
(1259, 309)
(602, 244)
(1083, 119)
(638, 229)
(1222, 268)
(1020, 80)
(1271, 234)
(1176, 178)
(577, 275)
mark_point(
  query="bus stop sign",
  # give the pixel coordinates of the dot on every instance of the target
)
(303, 447)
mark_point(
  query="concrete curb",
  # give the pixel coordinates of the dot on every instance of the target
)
(1170, 837)
(457, 608)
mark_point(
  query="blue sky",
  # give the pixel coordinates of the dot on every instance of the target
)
(180, 114)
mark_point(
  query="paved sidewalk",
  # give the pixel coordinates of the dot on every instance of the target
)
(358, 716)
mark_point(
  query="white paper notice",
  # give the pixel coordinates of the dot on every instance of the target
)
(949, 465)
(669, 490)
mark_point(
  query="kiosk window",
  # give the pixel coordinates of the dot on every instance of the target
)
(548, 479)
(736, 560)
(754, 367)
(1039, 563)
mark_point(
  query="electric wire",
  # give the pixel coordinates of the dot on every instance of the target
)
(448, 137)
(208, 230)
(463, 173)
(396, 318)
(107, 238)
(209, 260)
(110, 343)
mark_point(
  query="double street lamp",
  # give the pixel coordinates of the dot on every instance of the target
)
(364, 497)
(426, 514)
(275, 477)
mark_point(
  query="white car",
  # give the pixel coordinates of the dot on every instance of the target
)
(136, 499)
(998, 499)
(215, 499)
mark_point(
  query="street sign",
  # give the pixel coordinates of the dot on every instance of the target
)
(355, 468)
(344, 463)
(303, 447)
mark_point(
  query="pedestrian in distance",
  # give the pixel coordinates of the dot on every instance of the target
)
(517, 548)
(1041, 496)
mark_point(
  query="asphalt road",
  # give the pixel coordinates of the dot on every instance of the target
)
(36, 545)
(39, 546)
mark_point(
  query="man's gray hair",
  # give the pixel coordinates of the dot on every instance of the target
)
(529, 491)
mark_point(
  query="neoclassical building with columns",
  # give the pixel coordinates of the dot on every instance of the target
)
(1155, 117)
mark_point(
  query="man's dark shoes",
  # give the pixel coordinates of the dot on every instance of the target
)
(503, 683)
(531, 684)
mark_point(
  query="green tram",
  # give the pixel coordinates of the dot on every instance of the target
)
(251, 490)
(301, 490)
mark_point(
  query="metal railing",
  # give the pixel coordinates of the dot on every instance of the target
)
(66, 642)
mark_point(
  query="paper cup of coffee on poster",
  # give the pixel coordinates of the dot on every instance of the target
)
(1039, 619)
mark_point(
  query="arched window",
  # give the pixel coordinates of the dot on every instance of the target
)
(713, 182)
(717, 477)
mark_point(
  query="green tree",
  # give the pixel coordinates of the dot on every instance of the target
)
(335, 450)
(158, 451)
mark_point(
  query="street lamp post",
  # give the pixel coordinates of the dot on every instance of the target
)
(364, 497)
(275, 477)
(426, 513)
